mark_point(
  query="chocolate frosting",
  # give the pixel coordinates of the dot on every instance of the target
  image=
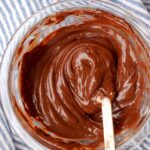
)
(62, 76)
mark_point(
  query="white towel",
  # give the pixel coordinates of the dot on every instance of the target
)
(12, 14)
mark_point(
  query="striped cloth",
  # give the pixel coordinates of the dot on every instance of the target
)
(15, 12)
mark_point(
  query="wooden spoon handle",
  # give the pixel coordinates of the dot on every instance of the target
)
(108, 129)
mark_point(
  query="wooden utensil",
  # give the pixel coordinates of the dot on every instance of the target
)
(108, 129)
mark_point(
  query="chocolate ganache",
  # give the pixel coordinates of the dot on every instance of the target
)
(61, 77)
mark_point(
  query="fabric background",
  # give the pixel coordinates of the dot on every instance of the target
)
(15, 12)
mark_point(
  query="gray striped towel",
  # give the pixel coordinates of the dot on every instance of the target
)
(15, 12)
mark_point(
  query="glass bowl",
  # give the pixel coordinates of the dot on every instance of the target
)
(10, 96)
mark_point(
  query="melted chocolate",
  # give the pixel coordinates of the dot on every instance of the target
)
(62, 76)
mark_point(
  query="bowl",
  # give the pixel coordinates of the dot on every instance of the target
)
(37, 24)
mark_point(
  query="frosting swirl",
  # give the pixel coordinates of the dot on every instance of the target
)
(61, 78)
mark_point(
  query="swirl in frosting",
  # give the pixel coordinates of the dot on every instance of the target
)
(62, 77)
